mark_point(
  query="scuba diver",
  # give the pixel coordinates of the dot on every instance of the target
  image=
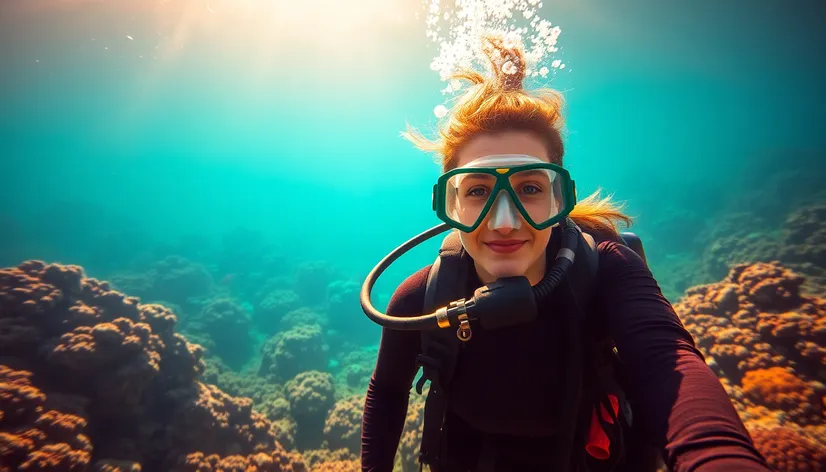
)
(545, 339)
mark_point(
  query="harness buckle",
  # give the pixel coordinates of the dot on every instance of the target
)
(464, 332)
(430, 371)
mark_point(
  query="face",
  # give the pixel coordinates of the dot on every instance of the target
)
(510, 248)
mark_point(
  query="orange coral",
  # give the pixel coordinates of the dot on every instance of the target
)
(117, 466)
(338, 466)
(779, 388)
(33, 437)
(767, 342)
(276, 461)
(787, 450)
(56, 457)
(316, 457)
(756, 318)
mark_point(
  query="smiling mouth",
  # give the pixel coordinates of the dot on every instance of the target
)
(505, 246)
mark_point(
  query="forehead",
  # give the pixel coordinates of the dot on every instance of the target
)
(509, 142)
(540, 176)
(525, 174)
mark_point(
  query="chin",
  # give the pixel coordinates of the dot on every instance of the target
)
(506, 269)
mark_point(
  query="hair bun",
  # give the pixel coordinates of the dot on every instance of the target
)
(508, 63)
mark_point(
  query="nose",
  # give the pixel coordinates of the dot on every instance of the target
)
(504, 216)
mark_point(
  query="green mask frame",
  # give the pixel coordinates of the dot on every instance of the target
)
(502, 175)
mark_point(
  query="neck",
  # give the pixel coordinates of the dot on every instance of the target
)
(536, 271)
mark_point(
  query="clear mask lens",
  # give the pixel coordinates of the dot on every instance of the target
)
(470, 194)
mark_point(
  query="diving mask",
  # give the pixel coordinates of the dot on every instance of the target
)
(508, 185)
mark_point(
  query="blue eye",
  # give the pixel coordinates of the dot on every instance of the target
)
(477, 192)
(531, 189)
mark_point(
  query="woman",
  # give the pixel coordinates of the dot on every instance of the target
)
(504, 188)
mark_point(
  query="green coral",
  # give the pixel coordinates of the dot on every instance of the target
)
(300, 349)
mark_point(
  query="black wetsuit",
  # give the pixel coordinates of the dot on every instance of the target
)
(506, 381)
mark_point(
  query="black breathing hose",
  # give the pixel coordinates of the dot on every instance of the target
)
(564, 261)
(445, 317)
(414, 323)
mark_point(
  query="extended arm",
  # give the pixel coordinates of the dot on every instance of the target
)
(681, 405)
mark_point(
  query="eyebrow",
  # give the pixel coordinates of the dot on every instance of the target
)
(534, 173)
(479, 176)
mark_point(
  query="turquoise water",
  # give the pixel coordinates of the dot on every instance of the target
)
(240, 162)
(180, 119)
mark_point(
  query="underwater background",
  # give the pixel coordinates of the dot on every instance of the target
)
(194, 191)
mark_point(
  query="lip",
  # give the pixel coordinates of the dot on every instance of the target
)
(505, 246)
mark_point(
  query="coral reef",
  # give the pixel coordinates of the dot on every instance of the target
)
(345, 314)
(311, 281)
(93, 379)
(227, 326)
(311, 395)
(799, 244)
(273, 307)
(342, 429)
(353, 370)
(173, 278)
(759, 332)
(35, 435)
(303, 316)
(805, 246)
(408, 454)
(289, 353)
(789, 450)
(331, 460)
(91, 376)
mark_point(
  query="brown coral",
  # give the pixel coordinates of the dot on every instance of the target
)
(212, 421)
(289, 353)
(226, 324)
(118, 371)
(311, 395)
(342, 429)
(275, 305)
(173, 278)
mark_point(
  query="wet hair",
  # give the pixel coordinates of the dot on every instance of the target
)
(498, 103)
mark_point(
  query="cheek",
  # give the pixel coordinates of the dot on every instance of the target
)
(541, 239)
(472, 242)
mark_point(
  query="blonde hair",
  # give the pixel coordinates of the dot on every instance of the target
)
(499, 103)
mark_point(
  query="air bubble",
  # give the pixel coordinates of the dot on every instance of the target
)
(456, 29)
(440, 111)
(509, 68)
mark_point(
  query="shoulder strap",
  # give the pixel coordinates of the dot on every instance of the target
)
(443, 276)
(440, 348)
(605, 369)
(581, 277)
